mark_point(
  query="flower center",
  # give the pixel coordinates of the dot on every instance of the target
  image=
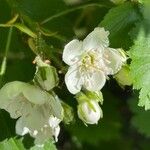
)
(90, 61)
(93, 61)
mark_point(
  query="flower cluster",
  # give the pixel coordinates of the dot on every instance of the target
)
(91, 61)
(34, 110)
(36, 106)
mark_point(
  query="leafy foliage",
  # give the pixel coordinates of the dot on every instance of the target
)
(118, 21)
(140, 63)
(11, 144)
(47, 146)
(42, 28)
(16, 144)
(140, 119)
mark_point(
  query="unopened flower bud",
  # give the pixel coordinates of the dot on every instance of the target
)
(90, 112)
(46, 75)
(123, 77)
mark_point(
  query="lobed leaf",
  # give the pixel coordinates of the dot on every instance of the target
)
(118, 21)
(140, 65)
(140, 119)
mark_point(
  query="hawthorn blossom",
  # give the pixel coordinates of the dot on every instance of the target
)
(91, 61)
(35, 110)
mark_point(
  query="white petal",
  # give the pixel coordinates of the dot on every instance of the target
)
(96, 39)
(73, 80)
(17, 107)
(114, 59)
(36, 119)
(72, 51)
(20, 128)
(43, 135)
(54, 124)
(35, 132)
(94, 81)
(53, 121)
(56, 132)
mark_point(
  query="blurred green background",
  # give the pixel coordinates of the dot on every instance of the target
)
(125, 126)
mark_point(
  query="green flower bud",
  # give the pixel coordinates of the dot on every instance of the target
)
(45, 76)
(123, 77)
(90, 112)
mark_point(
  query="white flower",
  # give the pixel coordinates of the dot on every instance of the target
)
(90, 112)
(35, 110)
(39, 124)
(90, 61)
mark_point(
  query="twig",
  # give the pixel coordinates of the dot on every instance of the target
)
(4, 61)
(70, 10)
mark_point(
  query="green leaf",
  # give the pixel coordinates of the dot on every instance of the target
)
(17, 144)
(140, 65)
(12, 144)
(118, 21)
(47, 146)
(21, 27)
(4, 9)
(140, 119)
(25, 29)
(37, 10)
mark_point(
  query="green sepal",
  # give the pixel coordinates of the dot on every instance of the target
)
(46, 76)
(68, 113)
(88, 95)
